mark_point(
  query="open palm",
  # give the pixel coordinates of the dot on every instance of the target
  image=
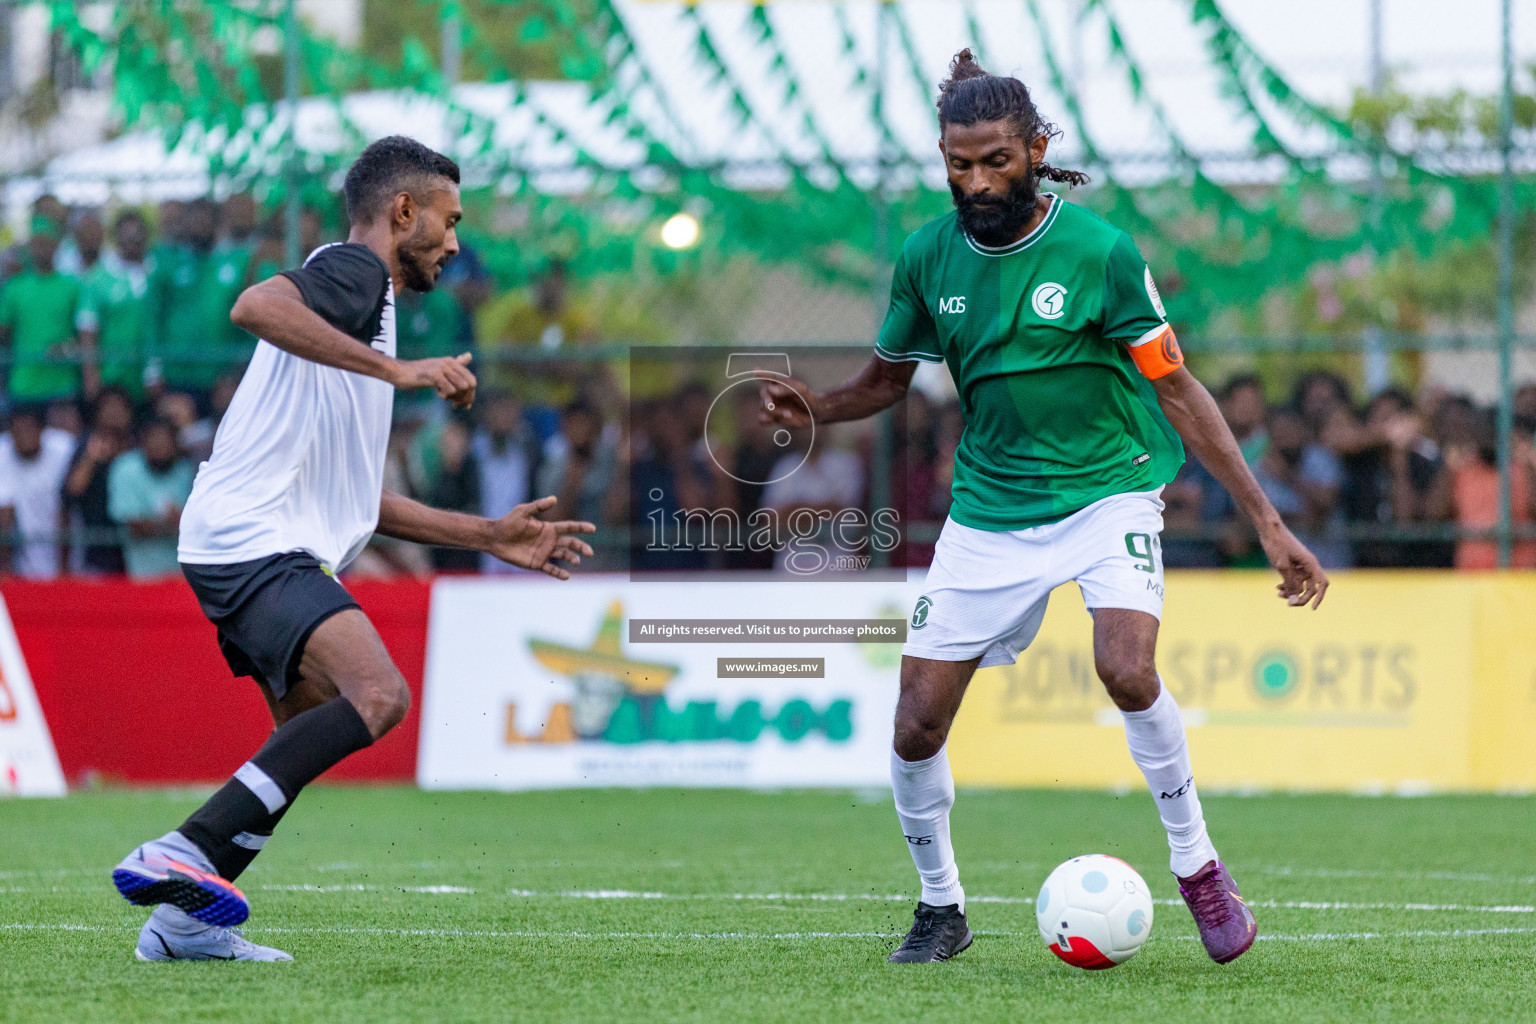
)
(521, 538)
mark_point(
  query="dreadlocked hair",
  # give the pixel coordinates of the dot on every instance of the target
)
(971, 95)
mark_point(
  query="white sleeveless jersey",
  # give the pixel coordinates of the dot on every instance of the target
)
(298, 460)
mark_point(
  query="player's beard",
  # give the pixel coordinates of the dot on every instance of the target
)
(416, 265)
(997, 220)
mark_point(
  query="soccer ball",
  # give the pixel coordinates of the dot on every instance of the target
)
(1094, 911)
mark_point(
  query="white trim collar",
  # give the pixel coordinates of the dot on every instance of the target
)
(1023, 243)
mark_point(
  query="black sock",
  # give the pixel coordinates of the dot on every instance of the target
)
(236, 822)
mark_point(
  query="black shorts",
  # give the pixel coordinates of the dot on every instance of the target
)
(265, 611)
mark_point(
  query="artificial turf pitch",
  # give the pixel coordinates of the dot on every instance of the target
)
(727, 906)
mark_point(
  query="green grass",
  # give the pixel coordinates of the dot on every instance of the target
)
(520, 946)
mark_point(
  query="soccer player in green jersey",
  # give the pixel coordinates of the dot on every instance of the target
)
(112, 319)
(1075, 400)
(37, 322)
(191, 290)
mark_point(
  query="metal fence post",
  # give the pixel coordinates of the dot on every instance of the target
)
(1506, 298)
(291, 202)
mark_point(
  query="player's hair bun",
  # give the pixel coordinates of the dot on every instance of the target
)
(962, 67)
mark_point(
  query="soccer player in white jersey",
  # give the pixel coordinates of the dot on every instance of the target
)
(1075, 399)
(292, 492)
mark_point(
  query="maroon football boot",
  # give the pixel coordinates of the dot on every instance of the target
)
(1226, 924)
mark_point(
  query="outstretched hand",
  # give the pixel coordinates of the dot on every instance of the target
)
(521, 538)
(1302, 579)
(786, 401)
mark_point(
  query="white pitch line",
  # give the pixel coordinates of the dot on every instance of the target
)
(430, 890)
(463, 933)
(817, 897)
(1400, 876)
(1347, 936)
(1282, 871)
(772, 897)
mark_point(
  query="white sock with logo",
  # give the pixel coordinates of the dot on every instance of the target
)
(925, 791)
(1158, 746)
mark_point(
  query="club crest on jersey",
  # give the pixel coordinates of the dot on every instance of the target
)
(1049, 301)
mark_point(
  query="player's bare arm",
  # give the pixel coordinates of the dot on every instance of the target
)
(879, 385)
(1195, 415)
(274, 310)
(520, 537)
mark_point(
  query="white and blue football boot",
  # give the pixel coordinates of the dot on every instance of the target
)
(173, 871)
(170, 934)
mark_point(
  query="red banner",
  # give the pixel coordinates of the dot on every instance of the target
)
(135, 690)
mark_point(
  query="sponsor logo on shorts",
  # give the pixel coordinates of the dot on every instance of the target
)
(920, 613)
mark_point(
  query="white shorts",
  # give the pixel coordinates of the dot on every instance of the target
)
(987, 589)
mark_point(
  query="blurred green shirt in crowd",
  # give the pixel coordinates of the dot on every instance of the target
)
(426, 324)
(39, 309)
(113, 306)
(190, 295)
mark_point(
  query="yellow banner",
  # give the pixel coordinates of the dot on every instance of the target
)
(1401, 682)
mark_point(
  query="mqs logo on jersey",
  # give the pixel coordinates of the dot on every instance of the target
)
(1049, 301)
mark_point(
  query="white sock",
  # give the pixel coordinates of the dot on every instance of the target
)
(174, 921)
(925, 791)
(1158, 746)
(174, 844)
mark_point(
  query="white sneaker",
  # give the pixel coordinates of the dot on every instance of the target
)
(172, 870)
(171, 935)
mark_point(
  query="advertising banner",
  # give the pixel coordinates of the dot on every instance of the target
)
(604, 682)
(28, 764)
(1504, 715)
(1375, 691)
(135, 691)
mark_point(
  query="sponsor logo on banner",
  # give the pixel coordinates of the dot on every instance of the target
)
(28, 764)
(1370, 685)
(1374, 692)
(530, 685)
(621, 699)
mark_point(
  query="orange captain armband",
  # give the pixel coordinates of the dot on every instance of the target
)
(1156, 353)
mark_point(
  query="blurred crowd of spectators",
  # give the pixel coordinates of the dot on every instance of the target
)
(139, 299)
(122, 361)
(1399, 481)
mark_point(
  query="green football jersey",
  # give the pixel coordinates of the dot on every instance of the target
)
(112, 303)
(190, 296)
(1036, 335)
(40, 311)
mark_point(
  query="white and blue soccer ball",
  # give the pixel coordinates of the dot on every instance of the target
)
(1094, 911)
